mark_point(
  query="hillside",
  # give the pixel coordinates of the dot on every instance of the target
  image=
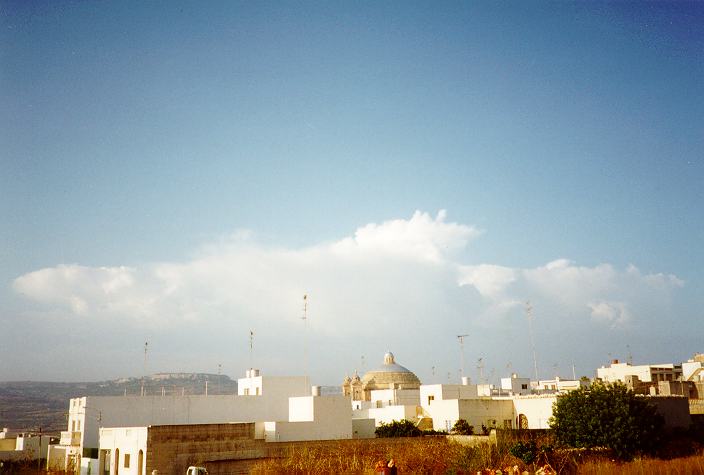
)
(29, 405)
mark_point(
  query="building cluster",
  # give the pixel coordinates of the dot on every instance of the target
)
(165, 433)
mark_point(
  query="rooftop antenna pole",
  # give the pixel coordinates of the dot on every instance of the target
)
(480, 367)
(305, 333)
(251, 348)
(144, 373)
(219, 378)
(529, 315)
(461, 339)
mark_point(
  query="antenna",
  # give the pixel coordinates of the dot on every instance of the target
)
(251, 348)
(629, 359)
(461, 339)
(144, 373)
(529, 315)
(480, 368)
(305, 333)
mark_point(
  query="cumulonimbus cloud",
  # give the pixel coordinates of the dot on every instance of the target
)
(383, 275)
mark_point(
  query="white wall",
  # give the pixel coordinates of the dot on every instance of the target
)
(30, 445)
(129, 441)
(395, 397)
(314, 418)
(619, 371)
(538, 409)
(689, 368)
(128, 411)
(363, 428)
(516, 385)
(446, 391)
(446, 413)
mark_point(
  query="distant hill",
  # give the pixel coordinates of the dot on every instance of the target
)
(29, 405)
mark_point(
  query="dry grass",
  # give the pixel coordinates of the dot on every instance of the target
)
(691, 465)
(437, 455)
(412, 455)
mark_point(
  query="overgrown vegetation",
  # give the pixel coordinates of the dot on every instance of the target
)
(607, 416)
(412, 455)
(404, 428)
(420, 455)
(462, 427)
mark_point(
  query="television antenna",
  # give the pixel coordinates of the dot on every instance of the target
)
(251, 348)
(529, 316)
(305, 333)
(461, 340)
(144, 371)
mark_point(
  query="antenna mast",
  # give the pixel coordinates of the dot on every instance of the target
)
(251, 348)
(144, 372)
(305, 333)
(529, 315)
(480, 367)
(461, 339)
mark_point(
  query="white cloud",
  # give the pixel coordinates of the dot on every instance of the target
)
(614, 313)
(400, 280)
(421, 238)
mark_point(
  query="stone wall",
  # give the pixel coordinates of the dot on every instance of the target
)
(172, 449)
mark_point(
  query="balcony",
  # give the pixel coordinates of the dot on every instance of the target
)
(70, 438)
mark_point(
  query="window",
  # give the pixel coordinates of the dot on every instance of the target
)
(524, 386)
(430, 398)
(246, 391)
(78, 425)
(127, 460)
(73, 426)
(257, 392)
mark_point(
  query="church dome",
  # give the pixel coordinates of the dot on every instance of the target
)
(390, 373)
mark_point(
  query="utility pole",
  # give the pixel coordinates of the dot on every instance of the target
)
(144, 372)
(305, 333)
(461, 339)
(529, 315)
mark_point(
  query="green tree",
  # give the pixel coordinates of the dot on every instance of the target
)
(462, 427)
(606, 415)
(404, 428)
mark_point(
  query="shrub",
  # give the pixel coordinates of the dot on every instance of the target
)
(606, 415)
(462, 427)
(527, 452)
(403, 428)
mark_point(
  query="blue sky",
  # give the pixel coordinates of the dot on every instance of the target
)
(182, 172)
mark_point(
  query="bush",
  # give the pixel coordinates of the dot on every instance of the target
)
(609, 416)
(462, 427)
(404, 428)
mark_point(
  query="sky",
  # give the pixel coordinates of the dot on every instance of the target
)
(183, 173)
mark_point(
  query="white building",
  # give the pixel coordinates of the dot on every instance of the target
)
(560, 385)
(515, 385)
(260, 398)
(533, 411)
(645, 373)
(23, 445)
(693, 369)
